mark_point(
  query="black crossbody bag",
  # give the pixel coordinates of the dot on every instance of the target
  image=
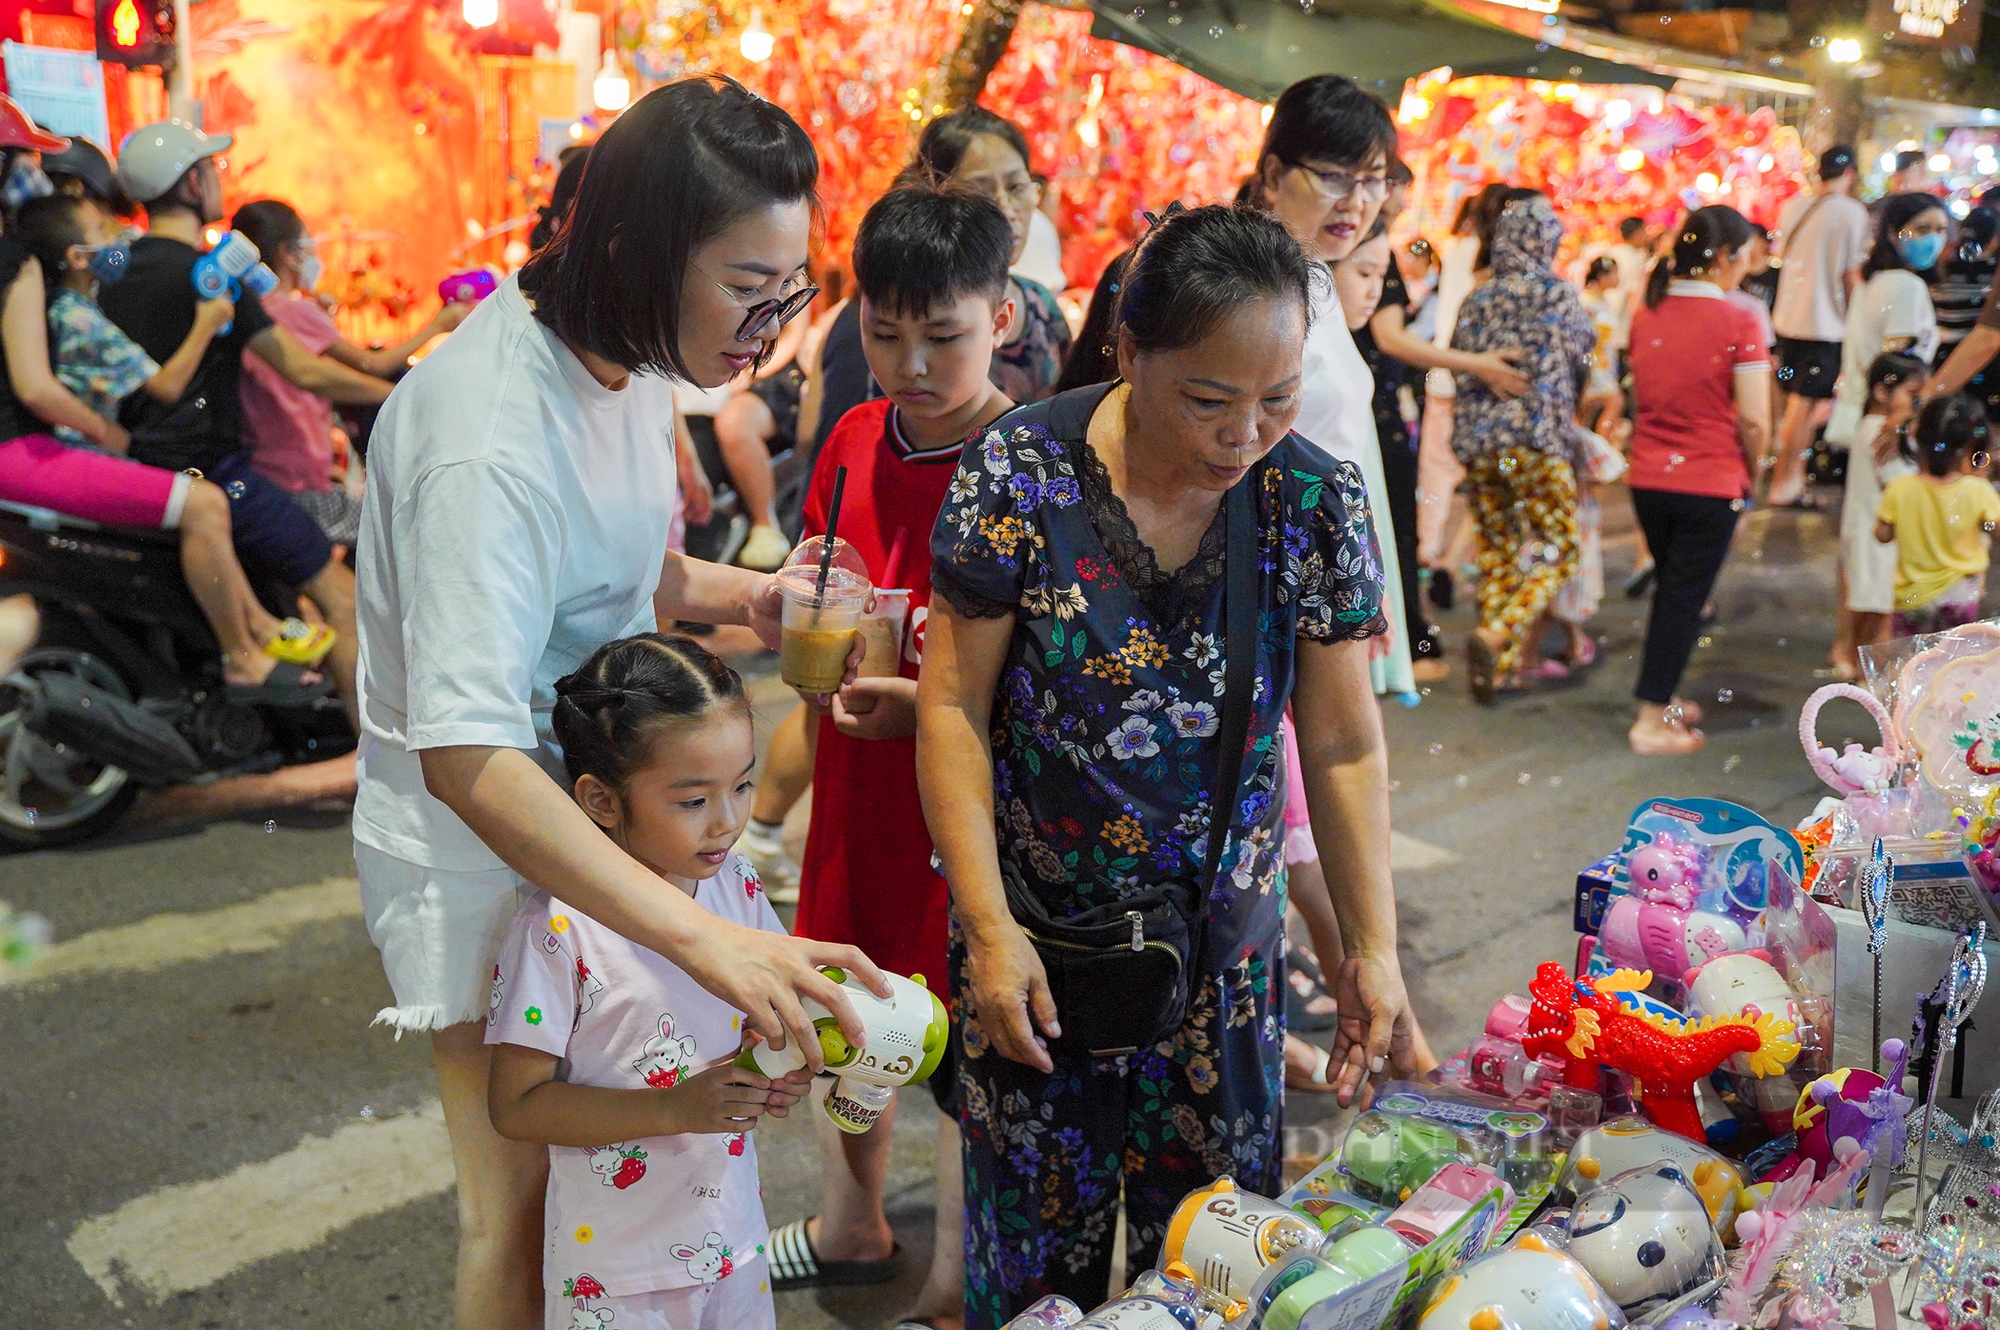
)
(1122, 974)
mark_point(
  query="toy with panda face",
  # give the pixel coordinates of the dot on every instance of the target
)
(1632, 1142)
(1645, 1236)
(1531, 1285)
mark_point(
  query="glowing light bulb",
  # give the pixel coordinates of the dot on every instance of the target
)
(611, 90)
(481, 13)
(1843, 50)
(1631, 159)
(1708, 182)
(1766, 162)
(1940, 162)
(1415, 108)
(1617, 113)
(756, 44)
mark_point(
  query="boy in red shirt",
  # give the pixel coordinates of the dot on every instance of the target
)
(931, 266)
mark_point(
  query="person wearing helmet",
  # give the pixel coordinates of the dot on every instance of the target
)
(170, 168)
(95, 484)
(83, 171)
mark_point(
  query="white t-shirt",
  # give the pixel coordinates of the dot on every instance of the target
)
(660, 1212)
(1812, 290)
(515, 520)
(1890, 305)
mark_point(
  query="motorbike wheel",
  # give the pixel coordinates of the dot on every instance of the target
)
(50, 794)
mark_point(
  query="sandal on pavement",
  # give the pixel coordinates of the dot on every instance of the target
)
(1308, 1004)
(1640, 582)
(1481, 668)
(1547, 670)
(301, 643)
(1586, 657)
(284, 686)
(794, 1264)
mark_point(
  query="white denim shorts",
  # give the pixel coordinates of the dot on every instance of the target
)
(439, 933)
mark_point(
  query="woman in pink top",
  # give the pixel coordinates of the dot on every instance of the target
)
(1702, 409)
(290, 429)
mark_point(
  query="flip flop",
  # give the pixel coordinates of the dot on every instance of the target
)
(1640, 582)
(1482, 667)
(301, 643)
(284, 686)
(1300, 997)
(794, 1264)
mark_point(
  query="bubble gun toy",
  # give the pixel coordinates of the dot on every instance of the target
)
(468, 288)
(231, 268)
(905, 1040)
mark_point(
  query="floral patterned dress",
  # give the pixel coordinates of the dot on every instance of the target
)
(1104, 755)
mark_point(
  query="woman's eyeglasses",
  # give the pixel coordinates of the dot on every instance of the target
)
(768, 315)
(1339, 185)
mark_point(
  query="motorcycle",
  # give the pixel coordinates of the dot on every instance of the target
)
(124, 690)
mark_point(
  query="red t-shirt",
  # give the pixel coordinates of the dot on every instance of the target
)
(867, 878)
(1686, 355)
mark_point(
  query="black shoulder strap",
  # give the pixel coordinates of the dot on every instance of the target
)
(1239, 679)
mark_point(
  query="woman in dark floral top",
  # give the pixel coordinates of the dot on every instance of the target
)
(1068, 710)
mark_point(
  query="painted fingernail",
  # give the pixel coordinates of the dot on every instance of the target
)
(1377, 1064)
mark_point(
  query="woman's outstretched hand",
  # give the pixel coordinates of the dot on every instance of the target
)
(1010, 994)
(765, 615)
(764, 975)
(1377, 1030)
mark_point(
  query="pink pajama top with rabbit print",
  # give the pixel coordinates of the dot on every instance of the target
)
(666, 1212)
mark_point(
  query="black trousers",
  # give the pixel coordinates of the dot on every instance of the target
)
(1689, 536)
(1399, 470)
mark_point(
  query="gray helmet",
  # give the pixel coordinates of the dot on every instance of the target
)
(154, 157)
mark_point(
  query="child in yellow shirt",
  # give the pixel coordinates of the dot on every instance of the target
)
(1940, 520)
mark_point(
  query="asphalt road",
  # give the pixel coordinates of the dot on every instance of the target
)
(198, 1128)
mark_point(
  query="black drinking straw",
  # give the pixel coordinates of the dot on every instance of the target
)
(826, 547)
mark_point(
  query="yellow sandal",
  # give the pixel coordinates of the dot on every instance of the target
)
(301, 643)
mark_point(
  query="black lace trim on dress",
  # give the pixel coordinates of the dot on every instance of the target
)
(969, 604)
(1169, 597)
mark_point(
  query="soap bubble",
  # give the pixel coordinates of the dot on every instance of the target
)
(270, 827)
(235, 489)
(1730, 763)
(1215, 32)
(1436, 749)
(1461, 780)
(1523, 778)
(1725, 695)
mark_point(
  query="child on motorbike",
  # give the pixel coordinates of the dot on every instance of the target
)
(265, 660)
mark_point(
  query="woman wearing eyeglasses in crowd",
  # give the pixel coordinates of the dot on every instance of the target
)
(1324, 171)
(521, 487)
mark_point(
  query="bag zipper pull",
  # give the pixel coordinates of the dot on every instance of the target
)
(1138, 929)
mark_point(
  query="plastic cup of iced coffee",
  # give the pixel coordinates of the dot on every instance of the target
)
(882, 631)
(818, 627)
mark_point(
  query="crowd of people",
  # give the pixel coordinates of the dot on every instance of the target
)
(1160, 570)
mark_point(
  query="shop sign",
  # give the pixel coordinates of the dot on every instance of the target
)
(1949, 23)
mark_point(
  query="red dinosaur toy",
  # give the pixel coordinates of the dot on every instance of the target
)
(1584, 1025)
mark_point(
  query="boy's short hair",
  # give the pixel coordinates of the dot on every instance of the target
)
(920, 246)
(48, 228)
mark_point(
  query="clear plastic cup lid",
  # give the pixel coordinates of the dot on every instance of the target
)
(843, 585)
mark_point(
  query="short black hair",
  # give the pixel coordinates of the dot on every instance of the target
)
(1400, 172)
(1836, 161)
(1893, 369)
(1195, 267)
(608, 712)
(920, 246)
(1948, 428)
(942, 145)
(47, 227)
(668, 176)
(1093, 356)
(1329, 118)
(270, 225)
(1908, 158)
(1631, 228)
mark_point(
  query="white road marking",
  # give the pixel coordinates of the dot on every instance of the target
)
(263, 924)
(1407, 854)
(189, 1236)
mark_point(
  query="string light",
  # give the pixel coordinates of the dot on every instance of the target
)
(481, 13)
(757, 43)
(1843, 50)
(611, 90)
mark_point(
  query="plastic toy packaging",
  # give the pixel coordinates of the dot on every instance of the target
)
(905, 1040)
(1632, 1142)
(1645, 1236)
(1414, 1130)
(1162, 1300)
(1225, 1237)
(1054, 1312)
(1532, 1284)
(1351, 1285)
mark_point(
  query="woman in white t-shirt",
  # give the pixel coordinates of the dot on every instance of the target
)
(522, 480)
(1890, 311)
(1323, 170)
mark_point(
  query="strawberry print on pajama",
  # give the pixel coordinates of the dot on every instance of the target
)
(634, 1219)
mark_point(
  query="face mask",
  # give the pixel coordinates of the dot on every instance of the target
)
(108, 264)
(25, 183)
(1922, 252)
(310, 271)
